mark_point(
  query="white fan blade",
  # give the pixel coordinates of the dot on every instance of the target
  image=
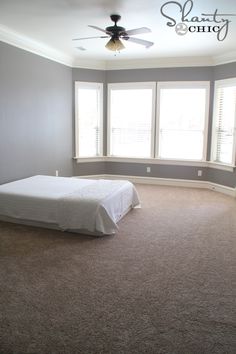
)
(78, 39)
(138, 31)
(147, 44)
(99, 29)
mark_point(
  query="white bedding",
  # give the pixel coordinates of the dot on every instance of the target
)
(70, 203)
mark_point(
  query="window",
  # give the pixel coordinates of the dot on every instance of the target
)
(182, 120)
(223, 132)
(131, 111)
(88, 119)
(168, 123)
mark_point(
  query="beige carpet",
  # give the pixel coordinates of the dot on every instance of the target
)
(166, 283)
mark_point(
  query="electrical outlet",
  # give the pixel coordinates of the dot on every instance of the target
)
(199, 173)
(56, 173)
(148, 169)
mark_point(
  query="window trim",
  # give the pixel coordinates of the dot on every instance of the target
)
(99, 86)
(131, 85)
(183, 85)
(222, 83)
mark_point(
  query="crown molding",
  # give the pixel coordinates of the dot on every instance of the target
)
(159, 63)
(16, 39)
(143, 63)
(11, 37)
(89, 64)
(225, 58)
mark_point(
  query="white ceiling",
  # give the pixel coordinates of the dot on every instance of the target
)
(48, 27)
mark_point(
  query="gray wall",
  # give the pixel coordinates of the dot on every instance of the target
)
(226, 178)
(35, 115)
(160, 171)
(224, 71)
(161, 74)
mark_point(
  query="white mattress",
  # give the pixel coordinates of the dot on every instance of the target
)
(69, 203)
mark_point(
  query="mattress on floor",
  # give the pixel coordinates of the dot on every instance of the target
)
(71, 204)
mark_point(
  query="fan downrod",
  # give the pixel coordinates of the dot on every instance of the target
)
(115, 30)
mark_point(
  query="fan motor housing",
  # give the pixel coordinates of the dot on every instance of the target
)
(115, 29)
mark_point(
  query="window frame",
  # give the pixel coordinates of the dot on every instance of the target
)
(131, 85)
(99, 87)
(183, 85)
(222, 84)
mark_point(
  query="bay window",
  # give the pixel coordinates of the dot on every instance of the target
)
(88, 119)
(157, 121)
(223, 131)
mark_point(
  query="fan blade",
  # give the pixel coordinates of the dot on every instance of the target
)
(147, 44)
(100, 29)
(78, 39)
(138, 31)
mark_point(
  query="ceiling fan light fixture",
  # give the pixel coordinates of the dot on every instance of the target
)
(115, 45)
(116, 33)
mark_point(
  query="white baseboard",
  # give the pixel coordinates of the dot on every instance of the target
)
(222, 189)
(169, 182)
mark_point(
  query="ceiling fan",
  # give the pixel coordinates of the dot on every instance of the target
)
(116, 33)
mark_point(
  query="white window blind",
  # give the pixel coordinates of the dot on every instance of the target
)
(131, 113)
(224, 124)
(182, 121)
(88, 113)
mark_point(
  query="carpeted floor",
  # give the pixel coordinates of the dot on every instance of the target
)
(166, 283)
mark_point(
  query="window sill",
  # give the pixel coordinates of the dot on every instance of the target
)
(221, 166)
(156, 161)
(142, 160)
(89, 159)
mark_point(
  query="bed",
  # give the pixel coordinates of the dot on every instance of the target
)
(69, 204)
